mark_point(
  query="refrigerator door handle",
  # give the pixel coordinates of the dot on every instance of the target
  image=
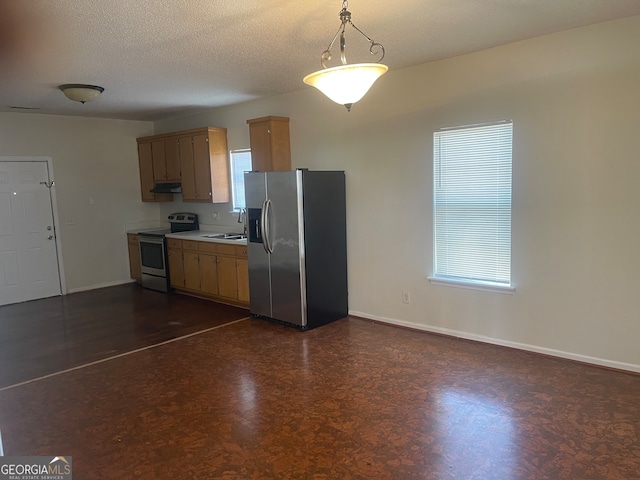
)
(267, 222)
(264, 226)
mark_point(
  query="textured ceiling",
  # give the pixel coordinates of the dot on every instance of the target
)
(161, 58)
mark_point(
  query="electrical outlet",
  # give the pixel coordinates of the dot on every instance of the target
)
(215, 215)
(406, 297)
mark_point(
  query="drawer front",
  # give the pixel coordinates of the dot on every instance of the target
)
(241, 251)
(174, 243)
(225, 249)
(190, 245)
(207, 247)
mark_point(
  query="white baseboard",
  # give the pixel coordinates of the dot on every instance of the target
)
(100, 285)
(503, 343)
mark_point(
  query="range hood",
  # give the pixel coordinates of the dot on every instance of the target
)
(175, 187)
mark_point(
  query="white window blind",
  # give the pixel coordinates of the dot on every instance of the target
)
(472, 204)
(240, 163)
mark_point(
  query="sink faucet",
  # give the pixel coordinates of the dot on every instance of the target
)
(242, 218)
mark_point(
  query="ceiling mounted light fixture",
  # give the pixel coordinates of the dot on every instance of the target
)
(346, 84)
(79, 92)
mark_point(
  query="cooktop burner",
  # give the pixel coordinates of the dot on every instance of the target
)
(155, 233)
(180, 222)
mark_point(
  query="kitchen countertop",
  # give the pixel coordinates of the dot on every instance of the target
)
(197, 235)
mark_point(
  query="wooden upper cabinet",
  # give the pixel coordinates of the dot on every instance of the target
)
(166, 160)
(198, 159)
(147, 181)
(270, 144)
(172, 160)
(202, 167)
(187, 166)
(205, 166)
(159, 166)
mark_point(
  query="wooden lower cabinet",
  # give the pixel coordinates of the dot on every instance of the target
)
(209, 273)
(227, 277)
(243, 279)
(212, 270)
(191, 262)
(176, 263)
(135, 269)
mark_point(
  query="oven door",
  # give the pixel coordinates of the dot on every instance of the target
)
(153, 258)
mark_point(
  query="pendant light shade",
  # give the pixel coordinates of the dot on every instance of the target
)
(348, 83)
(81, 93)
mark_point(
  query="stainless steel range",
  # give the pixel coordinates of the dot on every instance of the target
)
(153, 250)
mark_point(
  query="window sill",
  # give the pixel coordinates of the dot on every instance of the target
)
(485, 287)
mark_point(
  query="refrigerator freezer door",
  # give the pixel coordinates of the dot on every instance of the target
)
(286, 238)
(259, 259)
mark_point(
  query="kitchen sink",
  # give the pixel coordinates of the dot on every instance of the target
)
(226, 236)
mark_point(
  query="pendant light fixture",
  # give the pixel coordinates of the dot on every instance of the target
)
(79, 92)
(347, 83)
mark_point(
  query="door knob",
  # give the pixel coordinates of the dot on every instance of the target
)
(50, 237)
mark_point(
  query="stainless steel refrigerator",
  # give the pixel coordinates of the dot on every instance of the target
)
(297, 246)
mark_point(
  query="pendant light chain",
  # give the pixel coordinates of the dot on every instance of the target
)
(345, 18)
(346, 84)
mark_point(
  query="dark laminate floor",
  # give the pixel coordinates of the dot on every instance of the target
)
(54, 334)
(349, 400)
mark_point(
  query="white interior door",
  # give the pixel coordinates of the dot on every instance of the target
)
(28, 259)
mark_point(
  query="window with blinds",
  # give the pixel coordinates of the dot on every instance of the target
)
(472, 204)
(240, 163)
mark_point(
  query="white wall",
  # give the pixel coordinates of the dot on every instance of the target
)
(574, 98)
(92, 159)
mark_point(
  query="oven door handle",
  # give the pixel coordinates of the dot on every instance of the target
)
(154, 240)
